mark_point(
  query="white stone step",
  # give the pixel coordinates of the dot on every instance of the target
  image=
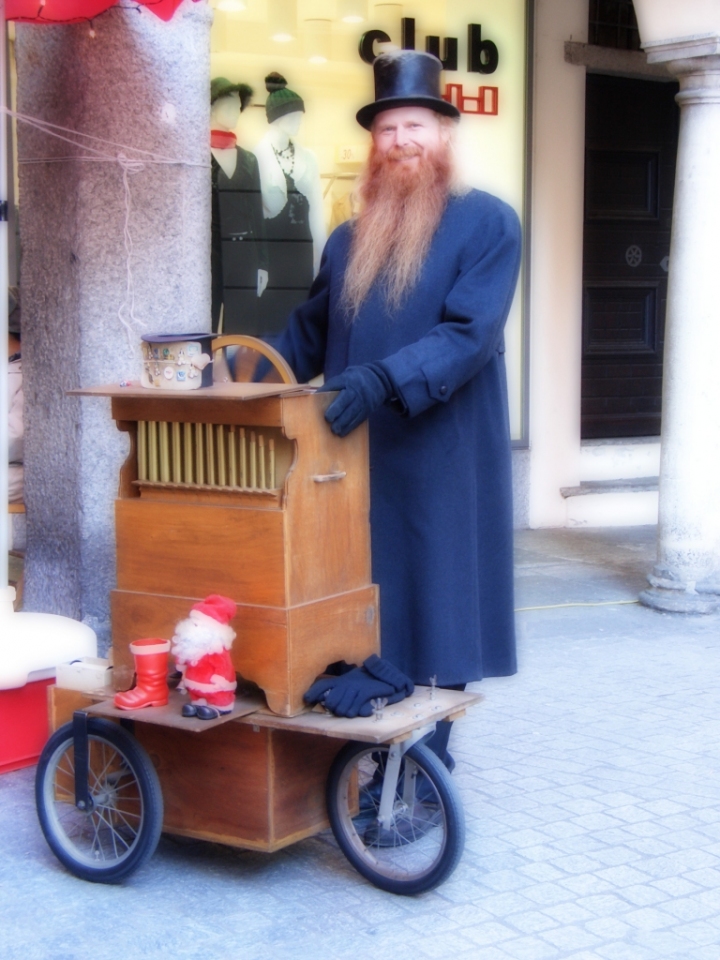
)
(625, 459)
(612, 503)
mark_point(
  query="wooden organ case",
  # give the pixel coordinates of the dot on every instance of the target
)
(230, 490)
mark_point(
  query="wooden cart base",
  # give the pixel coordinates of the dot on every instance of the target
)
(253, 779)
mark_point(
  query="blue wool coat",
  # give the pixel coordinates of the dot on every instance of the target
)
(440, 481)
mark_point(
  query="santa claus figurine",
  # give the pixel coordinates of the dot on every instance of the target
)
(201, 647)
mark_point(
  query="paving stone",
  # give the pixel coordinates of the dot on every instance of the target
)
(505, 904)
(667, 944)
(571, 938)
(539, 853)
(488, 934)
(442, 946)
(643, 895)
(649, 847)
(704, 878)
(586, 884)
(576, 864)
(609, 928)
(690, 908)
(676, 886)
(528, 948)
(567, 913)
(648, 919)
(533, 921)
(700, 932)
(704, 953)
(627, 951)
(623, 876)
(507, 880)
(618, 854)
(542, 871)
(547, 893)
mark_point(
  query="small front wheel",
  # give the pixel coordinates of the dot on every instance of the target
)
(121, 827)
(422, 843)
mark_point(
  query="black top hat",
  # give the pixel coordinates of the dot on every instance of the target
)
(407, 78)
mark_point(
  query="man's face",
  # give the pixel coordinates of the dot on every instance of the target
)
(406, 134)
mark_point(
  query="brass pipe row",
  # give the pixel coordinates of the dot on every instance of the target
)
(216, 455)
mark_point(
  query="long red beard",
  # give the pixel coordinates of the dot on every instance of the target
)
(400, 209)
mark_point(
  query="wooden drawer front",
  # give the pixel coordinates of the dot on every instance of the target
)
(261, 634)
(282, 650)
(191, 550)
(284, 659)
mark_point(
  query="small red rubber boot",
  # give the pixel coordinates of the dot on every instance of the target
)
(151, 665)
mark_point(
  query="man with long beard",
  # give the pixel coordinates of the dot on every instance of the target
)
(406, 319)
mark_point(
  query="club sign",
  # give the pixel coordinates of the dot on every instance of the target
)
(482, 57)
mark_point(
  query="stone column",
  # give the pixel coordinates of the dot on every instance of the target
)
(109, 251)
(686, 578)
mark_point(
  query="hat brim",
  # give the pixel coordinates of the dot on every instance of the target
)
(242, 88)
(367, 114)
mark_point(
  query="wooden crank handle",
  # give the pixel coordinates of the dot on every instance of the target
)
(253, 343)
(328, 477)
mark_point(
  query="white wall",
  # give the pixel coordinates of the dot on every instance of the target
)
(671, 19)
(556, 264)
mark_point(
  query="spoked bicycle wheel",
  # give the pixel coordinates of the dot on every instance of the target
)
(421, 845)
(121, 826)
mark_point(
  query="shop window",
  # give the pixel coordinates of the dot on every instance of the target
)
(613, 24)
(290, 186)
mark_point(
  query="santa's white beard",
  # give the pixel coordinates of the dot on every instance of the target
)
(195, 638)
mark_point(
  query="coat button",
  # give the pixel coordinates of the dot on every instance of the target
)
(443, 390)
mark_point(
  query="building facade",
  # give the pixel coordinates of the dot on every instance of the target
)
(564, 116)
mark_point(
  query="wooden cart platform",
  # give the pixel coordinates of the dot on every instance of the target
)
(253, 779)
(397, 723)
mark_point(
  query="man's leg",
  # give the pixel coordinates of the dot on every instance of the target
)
(438, 742)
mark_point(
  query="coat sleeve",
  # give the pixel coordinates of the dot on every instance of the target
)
(476, 308)
(304, 342)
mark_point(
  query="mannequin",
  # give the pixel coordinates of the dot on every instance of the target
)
(292, 205)
(239, 253)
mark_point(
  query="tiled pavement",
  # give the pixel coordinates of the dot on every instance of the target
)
(591, 786)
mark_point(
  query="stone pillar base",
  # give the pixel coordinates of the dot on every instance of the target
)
(672, 595)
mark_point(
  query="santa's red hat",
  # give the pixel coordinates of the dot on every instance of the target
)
(220, 608)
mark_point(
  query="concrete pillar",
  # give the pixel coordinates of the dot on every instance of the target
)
(686, 577)
(558, 144)
(108, 252)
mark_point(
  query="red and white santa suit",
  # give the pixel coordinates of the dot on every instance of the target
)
(201, 647)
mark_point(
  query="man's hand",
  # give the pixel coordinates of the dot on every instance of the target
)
(363, 389)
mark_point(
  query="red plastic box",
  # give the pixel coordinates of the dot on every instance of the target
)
(23, 724)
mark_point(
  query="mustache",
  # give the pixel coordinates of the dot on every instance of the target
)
(407, 152)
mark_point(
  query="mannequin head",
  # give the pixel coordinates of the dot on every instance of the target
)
(289, 123)
(225, 112)
(281, 101)
(227, 101)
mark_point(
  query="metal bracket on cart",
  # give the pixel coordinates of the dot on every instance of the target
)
(83, 800)
(392, 774)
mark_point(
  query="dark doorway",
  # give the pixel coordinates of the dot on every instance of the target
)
(631, 133)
